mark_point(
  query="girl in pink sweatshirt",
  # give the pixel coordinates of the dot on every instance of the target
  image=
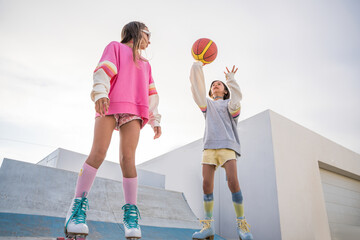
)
(125, 99)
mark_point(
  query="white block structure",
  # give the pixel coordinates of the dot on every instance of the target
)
(73, 161)
(296, 184)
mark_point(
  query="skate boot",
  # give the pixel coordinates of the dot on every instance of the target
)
(75, 223)
(207, 232)
(243, 229)
(131, 225)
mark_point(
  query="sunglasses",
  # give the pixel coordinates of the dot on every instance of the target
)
(147, 33)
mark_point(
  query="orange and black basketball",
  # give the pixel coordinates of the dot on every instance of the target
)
(204, 50)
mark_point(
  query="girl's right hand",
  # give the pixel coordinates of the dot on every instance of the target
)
(232, 71)
(157, 131)
(102, 106)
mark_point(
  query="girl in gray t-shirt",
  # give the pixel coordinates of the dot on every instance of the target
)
(221, 144)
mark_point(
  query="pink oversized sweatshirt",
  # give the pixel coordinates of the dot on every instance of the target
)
(129, 86)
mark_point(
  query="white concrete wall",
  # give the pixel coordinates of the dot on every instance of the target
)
(297, 153)
(51, 159)
(182, 170)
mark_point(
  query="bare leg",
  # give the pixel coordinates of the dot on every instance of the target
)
(129, 138)
(208, 172)
(231, 174)
(104, 127)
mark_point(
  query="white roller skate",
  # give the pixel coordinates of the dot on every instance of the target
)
(75, 223)
(207, 232)
(243, 229)
(131, 225)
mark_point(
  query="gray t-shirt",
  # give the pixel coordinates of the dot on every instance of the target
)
(220, 127)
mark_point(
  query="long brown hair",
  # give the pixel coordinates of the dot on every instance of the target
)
(133, 31)
(226, 95)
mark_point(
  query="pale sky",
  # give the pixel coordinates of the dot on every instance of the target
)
(299, 58)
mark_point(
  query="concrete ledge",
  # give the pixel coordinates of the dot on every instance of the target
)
(338, 170)
(38, 190)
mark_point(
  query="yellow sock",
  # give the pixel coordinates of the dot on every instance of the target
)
(208, 205)
(238, 203)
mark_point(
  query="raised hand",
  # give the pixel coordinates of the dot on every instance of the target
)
(232, 71)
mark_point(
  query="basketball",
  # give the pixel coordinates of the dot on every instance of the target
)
(204, 50)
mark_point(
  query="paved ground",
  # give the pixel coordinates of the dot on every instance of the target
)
(26, 227)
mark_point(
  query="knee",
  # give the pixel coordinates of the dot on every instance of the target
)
(233, 184)
(126, 159)
(98, 154)
(207, 186)
(96, 158)
(127, 164)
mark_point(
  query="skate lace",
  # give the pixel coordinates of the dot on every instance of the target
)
(206, 224)
(79, 210)
(131, 215)
(243, 225)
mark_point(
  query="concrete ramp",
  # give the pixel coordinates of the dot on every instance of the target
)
(34, 200)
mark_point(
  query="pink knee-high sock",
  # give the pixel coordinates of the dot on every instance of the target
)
(130, 190)
(85, 180)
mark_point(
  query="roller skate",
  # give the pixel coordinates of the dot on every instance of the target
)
(131, 225)
(243, 229)
(75, 223)
(207, 232)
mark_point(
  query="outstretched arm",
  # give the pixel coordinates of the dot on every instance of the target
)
(234, 105)
(198, 86)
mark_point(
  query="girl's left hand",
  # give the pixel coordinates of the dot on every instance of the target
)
(232, 71)
(157, 131)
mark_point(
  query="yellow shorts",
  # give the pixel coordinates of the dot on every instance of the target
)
(218, 157)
